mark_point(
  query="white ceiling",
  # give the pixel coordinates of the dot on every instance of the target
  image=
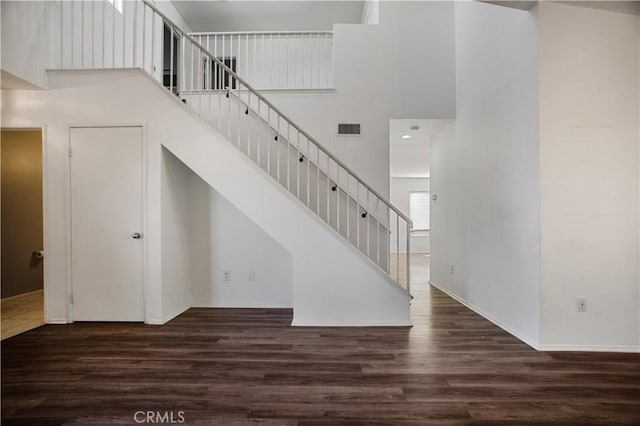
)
(265, 15)
(410, 157)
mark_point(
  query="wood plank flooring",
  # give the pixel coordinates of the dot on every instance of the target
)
(22, 313)
(247, 366)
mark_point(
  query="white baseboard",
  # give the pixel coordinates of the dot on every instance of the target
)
(57, 321)
(485, 315)
(154, 322)
(589, 348)
(175, 313)
(215, 306)
(297, 323)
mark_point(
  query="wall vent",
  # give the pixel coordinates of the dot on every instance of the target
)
(349, 129)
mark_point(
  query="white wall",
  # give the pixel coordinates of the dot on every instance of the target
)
(484, 170)
(400, 189)
(203, 235)
(401, 68)
(24, 39)
(177, 245)
(333, 283)
(224, 239)
(589, 178)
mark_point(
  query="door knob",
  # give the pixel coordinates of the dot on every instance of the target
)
(136, 235)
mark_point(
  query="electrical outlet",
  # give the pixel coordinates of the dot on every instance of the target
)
(252, 275)
(227, 275)
(581, 304)
(451, 268)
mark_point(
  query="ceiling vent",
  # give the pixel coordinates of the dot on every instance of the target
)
(349, 129)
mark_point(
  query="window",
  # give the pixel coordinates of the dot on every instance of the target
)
(419, 211)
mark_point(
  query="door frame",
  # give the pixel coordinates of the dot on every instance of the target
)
(45, 246)
(145, 233)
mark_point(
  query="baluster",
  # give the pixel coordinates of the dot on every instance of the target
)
(191, 71)
(246, 48)
(248, 122)
(144, 37)
(210, 83)
(73, 47)
(397, 248)
(308, 172)
(318, 177)
(268, 140)
(278, 148)
(310, 49)
(113, 37)
(124, 29)
(239, 102)
(135, 32)
(200, 79)
(93, 38)
(62, 33)
(408, 257)
(258, 134)
(298, 164)
(271, 59)
(153, 44)
(288, 154)
(302, 52)
(182, 82)
(368, 224)
(286, 80)
(328, 192)
(357, 213)
(328, 57)
(293, 60)
(378, 234)
(82, 34)
(278, 60)
(223, 59)
(348, 206)
(170, 62)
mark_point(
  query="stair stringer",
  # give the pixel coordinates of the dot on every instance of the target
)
(334, 284)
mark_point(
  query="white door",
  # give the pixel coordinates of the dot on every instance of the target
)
(106, 224)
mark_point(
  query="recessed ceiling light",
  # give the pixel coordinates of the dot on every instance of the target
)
(406, 136)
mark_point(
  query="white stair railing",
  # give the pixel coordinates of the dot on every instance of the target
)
(96, 35)
(275, 60)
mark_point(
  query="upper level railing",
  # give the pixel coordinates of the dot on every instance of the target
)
(96, 35)
(275, 60)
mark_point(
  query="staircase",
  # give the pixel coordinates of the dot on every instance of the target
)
(209, 88)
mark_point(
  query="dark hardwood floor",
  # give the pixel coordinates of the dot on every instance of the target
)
(247, 366)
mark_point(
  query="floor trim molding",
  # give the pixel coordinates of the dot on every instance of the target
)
(589, 348)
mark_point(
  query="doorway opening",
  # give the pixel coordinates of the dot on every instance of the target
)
(410, 190)
(21, 231)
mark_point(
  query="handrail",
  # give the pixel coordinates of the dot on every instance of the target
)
(277, 111)
(283, 138)
(206, 33)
